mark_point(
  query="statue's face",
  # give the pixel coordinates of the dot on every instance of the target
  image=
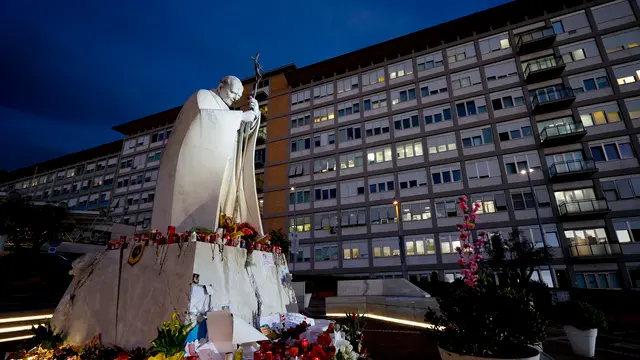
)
(230, 93)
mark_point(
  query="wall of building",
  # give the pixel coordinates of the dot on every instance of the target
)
(462, 119)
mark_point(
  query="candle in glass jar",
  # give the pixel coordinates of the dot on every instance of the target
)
(293, 351)
(257, 356)
(268, 355)
(305, 345)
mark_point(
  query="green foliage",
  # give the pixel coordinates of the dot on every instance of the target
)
(94, 350)
(353, 324)
(64, 353)
(171, 337)
(29, 226)
(279, 238)
(46, 337)
(487, 320)
(514, 259)
(138, 353)
(580, 315)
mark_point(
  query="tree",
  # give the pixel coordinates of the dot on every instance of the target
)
(279, 238)
(29, 226)
(515, 259)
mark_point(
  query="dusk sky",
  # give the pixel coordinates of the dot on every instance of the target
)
(70, 70)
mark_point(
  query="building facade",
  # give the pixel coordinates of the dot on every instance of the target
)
(549, 93)
(84, 180)
(515, 106)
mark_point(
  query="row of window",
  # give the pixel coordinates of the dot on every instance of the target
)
(60, 175)
(156, 138)
(600, 151)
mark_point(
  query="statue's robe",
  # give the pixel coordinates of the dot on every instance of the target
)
(205, 168)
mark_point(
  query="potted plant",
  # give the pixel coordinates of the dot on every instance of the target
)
(581, 323)
(479, 318)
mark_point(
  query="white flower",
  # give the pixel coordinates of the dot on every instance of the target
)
(339, 339)
(347, 352)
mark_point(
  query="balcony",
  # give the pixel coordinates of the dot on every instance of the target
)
(552, 101)
(535, 40)
(259, 158)
(543, 69)
(562, 134)
(604, 249)
(262, 136)
(572, 170)
(583, 208)
(260, 185)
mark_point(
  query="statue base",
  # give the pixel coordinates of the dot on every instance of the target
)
(125, 304)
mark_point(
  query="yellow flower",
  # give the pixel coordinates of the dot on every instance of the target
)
(162, 356)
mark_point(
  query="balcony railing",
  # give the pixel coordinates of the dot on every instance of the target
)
(543, 69)
(536, 40)
(566, 130)
(605, 249)
(582, 207)
(572, 166)
(552, 100)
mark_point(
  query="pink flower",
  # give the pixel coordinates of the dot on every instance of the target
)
(457, 248)
(460, 262)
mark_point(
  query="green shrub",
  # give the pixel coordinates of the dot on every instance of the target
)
(580, 315)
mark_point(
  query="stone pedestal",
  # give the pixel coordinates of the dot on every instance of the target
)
(148, 293)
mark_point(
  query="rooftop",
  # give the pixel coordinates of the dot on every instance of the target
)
(488, 20)
(67, 160)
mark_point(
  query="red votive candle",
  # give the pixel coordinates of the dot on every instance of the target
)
(268, 355)
(293, 351)
(257, 356)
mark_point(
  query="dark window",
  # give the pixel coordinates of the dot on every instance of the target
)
(471, 108)
(612, 152)
(589, 84)
(497, 104)
(504, 136)
(436, 178)
(446, 113)
(598, 153)
(425, 91)
(415, 122)
(507, 101)
(603, 82)
(462, 111)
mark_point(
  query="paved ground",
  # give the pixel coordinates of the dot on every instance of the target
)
(387, 341)
(612, 345)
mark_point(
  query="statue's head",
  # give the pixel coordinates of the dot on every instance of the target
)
(230, 89)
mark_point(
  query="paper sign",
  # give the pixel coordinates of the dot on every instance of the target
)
(294, 319)
(267, 259)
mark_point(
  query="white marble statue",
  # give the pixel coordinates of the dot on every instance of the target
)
(208, 165)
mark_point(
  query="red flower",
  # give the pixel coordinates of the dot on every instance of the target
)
(324, 340)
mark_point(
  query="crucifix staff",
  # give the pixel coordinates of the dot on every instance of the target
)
(245, 129)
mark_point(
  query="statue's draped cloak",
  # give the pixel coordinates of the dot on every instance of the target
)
(197, 178)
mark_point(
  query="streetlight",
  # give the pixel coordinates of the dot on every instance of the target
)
(554, 281)
(403, 260)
